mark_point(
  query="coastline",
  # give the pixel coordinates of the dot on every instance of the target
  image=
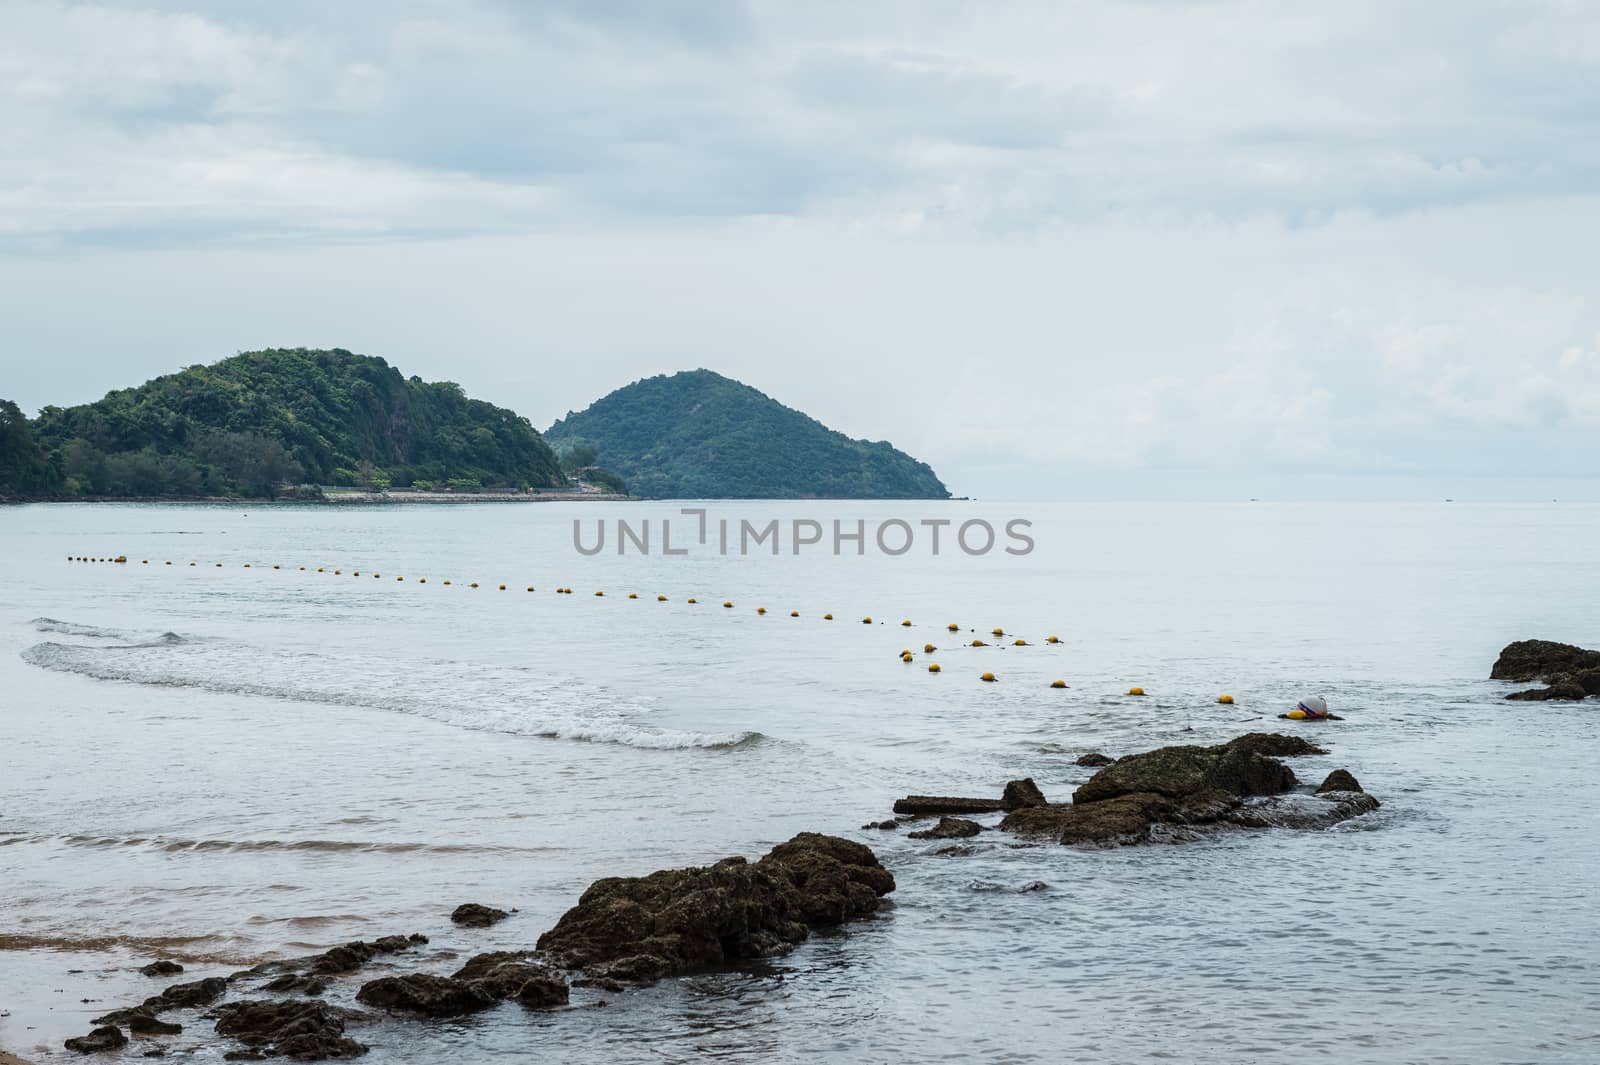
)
(336, 498)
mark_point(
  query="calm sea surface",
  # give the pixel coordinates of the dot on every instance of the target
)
(226, 765)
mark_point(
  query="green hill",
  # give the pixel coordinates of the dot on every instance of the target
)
(698, 434)
(257, 420)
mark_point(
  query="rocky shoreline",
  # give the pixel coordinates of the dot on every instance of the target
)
(1568, 672)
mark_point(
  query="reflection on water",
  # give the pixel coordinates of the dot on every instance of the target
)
(227, 766)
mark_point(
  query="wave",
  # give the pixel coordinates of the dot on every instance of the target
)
(514, 700)
(72, 628)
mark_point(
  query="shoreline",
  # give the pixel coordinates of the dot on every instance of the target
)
(337, 498)
(7, 1058)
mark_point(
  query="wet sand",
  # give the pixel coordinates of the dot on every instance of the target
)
(12, 1059)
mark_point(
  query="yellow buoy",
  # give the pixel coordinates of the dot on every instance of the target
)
(905, 656)
(1135, 691)
(474, 584)
(420, 580)
(356, 573)
(219, 566)
(399, 578)
(987, 677)
(979, 643)
(933, 667)
(827, 617)
(146, 562)
(1225, 700)
(502, 587)
(1019, 643)
(761, 610)
(794, 613)
(953, 627)
(997, 632)
(447, 582)
(336, 572)
(906, 623)
(1296, 715)
(596, 593)
(121, 558)
(319, 571)
(691, 599)
(727, 602)
(169, 563)
(1058, 684)
(275, 566)
(661, 599)
(375, 576)
(866, 620)
(302, 569)
(530, 587)
(928, 648)
(1052, 639)
(633, 595)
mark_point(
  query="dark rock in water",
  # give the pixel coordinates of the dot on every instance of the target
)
(948, 828)
(1177, 772)
(475, 915)
(1020, 793)
(185, 996)
(508, 975)
(944, 804)
(125, 1016)
(1094, 759)
(887, 826)
(1339, 780)
(1569, 690)
(1274, 745)
(435, 996)
(1121, 820)
(304, 1031)
(639, 929)
(1543, 660)
(101, 1039)
(1303, 811)
(349, 957)
(140, 1024)
(302, 983)
(162, 968)
(954, 850)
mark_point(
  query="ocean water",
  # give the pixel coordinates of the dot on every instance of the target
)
(224, 765)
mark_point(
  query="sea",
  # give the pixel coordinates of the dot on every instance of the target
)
(275, 728)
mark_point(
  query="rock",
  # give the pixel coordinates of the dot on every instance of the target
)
(161, 968)
(302, 983)
(349, 957)
(1339, 780)
(185, 996)
(1021, 793)
(97, 1041)
(1274, 745)
(435, 996)
(304, 1031)
(1121, 820)
(639, 929)
(475, 915)
(1569, 690)
(1543, 660)
(1095, 759)
(1177, 772)
(507, 975)
(944, 804)
(886, 826)
(1302, 811)
(949, 828)
(141, 1024)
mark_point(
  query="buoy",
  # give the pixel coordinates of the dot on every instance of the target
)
(375, 576)
(1052, 639)
(356, 573)
(596, 593)
(906, 623)
(928, 648)
(997, 632)
(727, 602)
(1296, 715)
(1058, 684)
(122, 558)
(319, 571)
(247, 565)
(399, 578)
(420, 580)
(502, 587)
(1225, 700)
(1135, 691)
(979, 643)
(277, 567)
(474, 584)
(905, 656)
(447, 582)
(794, 613)
(988, 678)
(219, 566)
(661, 599)
(169, 563)
(691, 599)
(761, 610)
(633, 595)
(1019, 643)
(827, 617)
(933, 667)
(302, 569)
(335, 572)
(530, 587)
(866, 620)
(146, 562)
(953, 627)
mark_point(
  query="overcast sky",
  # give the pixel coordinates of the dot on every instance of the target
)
(1075, 249)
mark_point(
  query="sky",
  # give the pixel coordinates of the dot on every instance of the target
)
(1145, 249)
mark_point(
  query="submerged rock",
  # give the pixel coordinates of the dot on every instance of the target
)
(162, 968)
(101, 1039)
(1021, 793)
(435, 996)
(509, 975)
(1094, 759)
(1177, 772)
(1568, 690)
(1274, 745)
(304, 1031)
(1339, 780)
(886, 826)
(639, 929)
(144, 1024)
(949, 828)
(301, 983)
(348, 957)
(184, 996)
(945, 804)
(476, 915)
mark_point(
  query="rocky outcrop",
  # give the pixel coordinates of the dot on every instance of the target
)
(1302, 811)
(1339, 780)
(101, 1039)
(1274, 745)
(162, 968)
(1021, 793)
(1094, 759)
(297, 983)
(476, 915)
(945, 804)
(639, 929)
(510, 975)
(303, 1031)
(144, 1024)
(951, 828)
(425, 993)
(349, 957)
(1570, 672)
(1178, 772)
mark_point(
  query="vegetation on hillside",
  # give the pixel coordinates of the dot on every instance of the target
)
(250, 424)
(698, 434)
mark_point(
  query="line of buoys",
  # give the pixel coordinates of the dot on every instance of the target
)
(1135, 691)
(1058, 684)
(1225, 700)
(987, 678)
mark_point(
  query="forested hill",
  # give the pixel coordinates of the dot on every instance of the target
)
(698, 434)
(253, 422)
